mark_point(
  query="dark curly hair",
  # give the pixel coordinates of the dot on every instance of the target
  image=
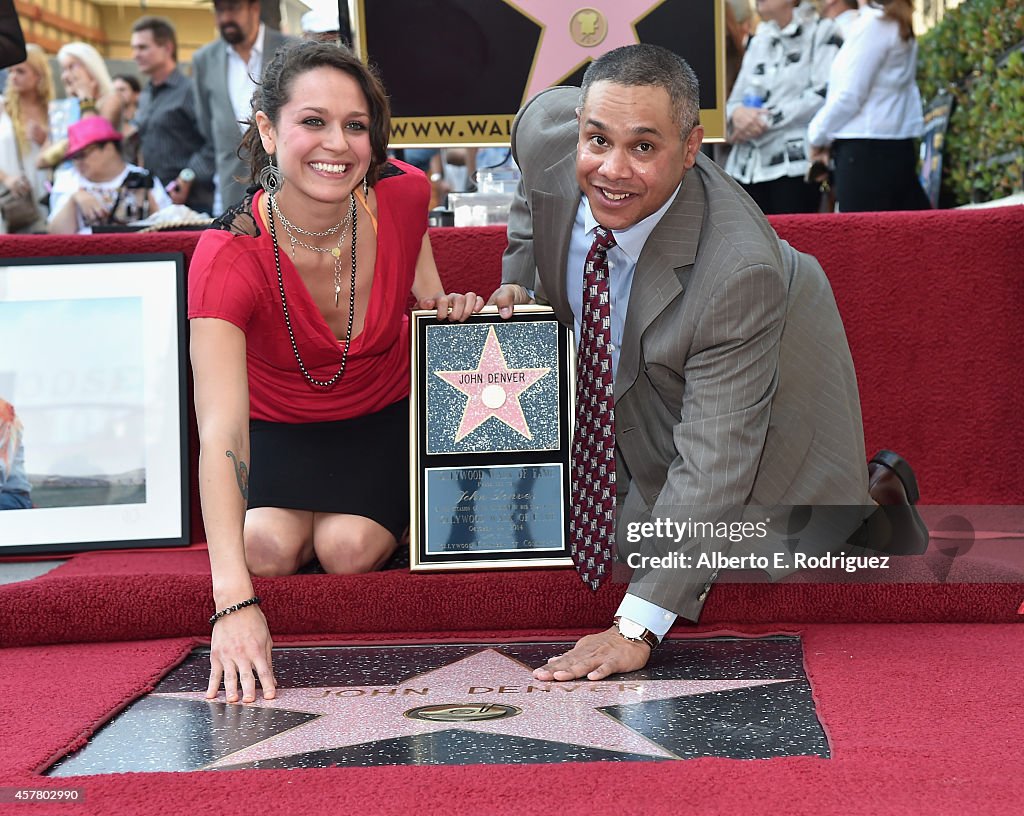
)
(274, 92)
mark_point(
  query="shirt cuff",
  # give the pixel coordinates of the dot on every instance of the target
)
(648, 615)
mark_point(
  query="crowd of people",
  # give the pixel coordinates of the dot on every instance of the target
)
(828, 99)
(178, 135)
(822, 96)
(303, 421)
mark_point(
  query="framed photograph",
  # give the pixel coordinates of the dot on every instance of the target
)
(491, 430)
(458, 71)
(93, 421)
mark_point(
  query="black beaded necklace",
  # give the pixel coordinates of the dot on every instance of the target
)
(284, 305)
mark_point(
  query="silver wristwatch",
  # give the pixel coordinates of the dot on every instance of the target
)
(633, 631)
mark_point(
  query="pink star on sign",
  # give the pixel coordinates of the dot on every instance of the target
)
(558, 54)
(493, 390)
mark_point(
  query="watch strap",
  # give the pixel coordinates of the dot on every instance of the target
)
(645, 636)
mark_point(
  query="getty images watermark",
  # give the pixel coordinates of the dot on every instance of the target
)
(729, 533)
(828, 543)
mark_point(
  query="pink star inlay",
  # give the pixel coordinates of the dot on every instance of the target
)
(493, 390)
(558, 55)
(566, 713)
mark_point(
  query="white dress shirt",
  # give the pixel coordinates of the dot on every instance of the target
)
(242, 78)
(622, 259)
(872, 92)
(845, 22)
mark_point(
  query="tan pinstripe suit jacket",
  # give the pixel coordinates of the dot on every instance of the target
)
(735, 384)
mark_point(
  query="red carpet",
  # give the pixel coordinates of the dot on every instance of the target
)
(918, 684)
(921, 719)
(69, 607)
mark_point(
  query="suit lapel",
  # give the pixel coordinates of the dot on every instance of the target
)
(554, 211)
(661, 275)
(219, 95)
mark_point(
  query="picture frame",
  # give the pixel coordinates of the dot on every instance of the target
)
(491, 408)
(95, 391)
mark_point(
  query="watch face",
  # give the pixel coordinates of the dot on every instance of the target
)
(188, 174)
(630, 629)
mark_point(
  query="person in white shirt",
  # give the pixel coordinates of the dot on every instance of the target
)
(843, 12)
(872, 114)
(781, 84)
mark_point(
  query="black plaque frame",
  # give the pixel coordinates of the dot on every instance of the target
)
(495, 474)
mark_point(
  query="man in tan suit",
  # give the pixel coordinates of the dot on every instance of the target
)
(733, 381)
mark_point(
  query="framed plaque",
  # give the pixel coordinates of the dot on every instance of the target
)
(491, 409)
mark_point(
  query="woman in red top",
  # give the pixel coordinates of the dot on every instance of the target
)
(300, 347)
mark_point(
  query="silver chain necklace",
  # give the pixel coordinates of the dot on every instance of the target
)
(351, 301)
(335, 251)
(288, 225)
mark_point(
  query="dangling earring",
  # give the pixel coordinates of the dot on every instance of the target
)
(366, 188)
(270, 178)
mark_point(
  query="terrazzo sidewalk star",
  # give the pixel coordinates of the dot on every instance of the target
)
(512, 703)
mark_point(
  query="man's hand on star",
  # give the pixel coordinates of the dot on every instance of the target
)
(507, 296)
(596, 657)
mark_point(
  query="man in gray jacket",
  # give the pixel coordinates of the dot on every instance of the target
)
(225, 73)
(732, 381)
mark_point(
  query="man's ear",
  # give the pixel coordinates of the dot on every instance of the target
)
(266, 129)
(692, 146)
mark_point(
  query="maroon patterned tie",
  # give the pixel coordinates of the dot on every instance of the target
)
(592, 517)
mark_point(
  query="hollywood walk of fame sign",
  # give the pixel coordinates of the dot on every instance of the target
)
(491, 406)
(457, 71)
(444, 704)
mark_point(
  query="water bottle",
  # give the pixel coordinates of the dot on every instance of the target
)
(753, 96)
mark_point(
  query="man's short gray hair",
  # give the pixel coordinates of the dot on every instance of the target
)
(646, 64)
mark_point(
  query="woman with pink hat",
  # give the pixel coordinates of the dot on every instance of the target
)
(101, 188)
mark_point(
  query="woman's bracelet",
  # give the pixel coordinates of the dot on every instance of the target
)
(255, 599)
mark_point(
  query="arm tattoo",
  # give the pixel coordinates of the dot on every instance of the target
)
(241, 474)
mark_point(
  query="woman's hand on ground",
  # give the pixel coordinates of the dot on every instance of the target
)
(240, 654)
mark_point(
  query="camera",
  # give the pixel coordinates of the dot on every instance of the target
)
(138, 180)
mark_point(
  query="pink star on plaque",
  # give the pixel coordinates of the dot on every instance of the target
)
(572, 36)
(493, 390)
(487, 692)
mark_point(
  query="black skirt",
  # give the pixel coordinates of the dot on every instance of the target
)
(356, 466)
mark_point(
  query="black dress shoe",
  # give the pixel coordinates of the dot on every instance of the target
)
(895, 527)
(901, 468)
